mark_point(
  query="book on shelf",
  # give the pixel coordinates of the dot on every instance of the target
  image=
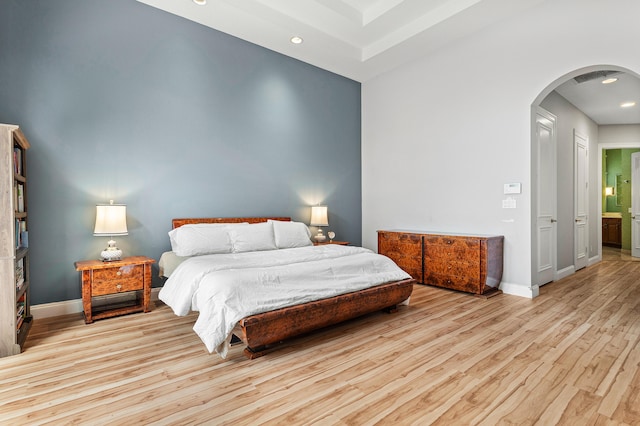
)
(17, 233)
(20, 232)
(20, 196)
(19, 324)
(20, 310)
(15, 194)
(19, 273)
(17, 161)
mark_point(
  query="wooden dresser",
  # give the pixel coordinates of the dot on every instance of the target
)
(470, 263)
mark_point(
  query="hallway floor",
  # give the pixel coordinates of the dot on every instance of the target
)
(612, 253)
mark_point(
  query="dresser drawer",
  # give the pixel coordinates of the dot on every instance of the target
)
(452, 248)
(405, 250)
(450, 240)
(117, 280)
(458, 268)
(469, 284)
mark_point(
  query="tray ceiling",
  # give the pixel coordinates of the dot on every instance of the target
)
(360, 39)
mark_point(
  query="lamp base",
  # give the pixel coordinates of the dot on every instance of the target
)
(111, 253)
(320, 237)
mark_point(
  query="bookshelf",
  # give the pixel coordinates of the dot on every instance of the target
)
(15, 303)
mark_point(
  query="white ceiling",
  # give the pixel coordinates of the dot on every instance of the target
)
(601, 102)
(360, 39)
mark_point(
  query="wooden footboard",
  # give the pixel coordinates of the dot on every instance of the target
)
(269, 328)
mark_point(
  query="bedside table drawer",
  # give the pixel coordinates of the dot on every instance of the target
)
(111, 287)
(117, 280)
(123, 272)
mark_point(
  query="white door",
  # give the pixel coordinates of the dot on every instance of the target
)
(546, 202)
(581, 201)
(635, 204)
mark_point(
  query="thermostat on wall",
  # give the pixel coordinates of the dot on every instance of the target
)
(512, 188)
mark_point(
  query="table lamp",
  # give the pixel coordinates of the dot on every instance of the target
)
(319, 217)
(111, 219)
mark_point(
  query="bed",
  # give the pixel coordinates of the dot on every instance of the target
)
(323, 285)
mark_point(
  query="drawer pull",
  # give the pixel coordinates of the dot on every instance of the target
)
(119, 286)
(118, 273)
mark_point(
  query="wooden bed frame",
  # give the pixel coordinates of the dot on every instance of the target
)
(260, 332)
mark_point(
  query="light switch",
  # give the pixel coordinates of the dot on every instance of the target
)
(512, 188)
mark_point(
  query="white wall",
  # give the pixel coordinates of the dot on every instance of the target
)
(620, 134)
(443, 134)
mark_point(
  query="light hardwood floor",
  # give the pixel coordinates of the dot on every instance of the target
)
(570, 356)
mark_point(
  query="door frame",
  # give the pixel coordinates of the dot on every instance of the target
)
(602, 146)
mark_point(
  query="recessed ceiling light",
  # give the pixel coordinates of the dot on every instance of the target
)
(609, 80)
(627, 104)
(200, 2)
(296, 40)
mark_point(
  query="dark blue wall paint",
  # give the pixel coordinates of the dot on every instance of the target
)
(122, 101)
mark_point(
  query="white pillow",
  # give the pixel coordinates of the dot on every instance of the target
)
(291, 234)
(254, 237)
(202, 238)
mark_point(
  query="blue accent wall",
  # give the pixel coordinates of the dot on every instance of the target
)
(126, 102)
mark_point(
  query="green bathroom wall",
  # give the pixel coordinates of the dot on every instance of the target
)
(613, 168)
(618, 162)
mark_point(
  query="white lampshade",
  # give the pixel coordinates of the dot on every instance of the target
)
(111, 219)
(319, 216)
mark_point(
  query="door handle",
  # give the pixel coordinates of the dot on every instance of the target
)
(553, 221)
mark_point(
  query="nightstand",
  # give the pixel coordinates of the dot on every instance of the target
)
(340, 243)
(131, 275)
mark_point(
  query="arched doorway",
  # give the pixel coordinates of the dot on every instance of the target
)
(556, 248)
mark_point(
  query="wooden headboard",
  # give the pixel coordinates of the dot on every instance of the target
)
(176, 223)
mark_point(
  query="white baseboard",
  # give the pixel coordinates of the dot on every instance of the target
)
(520, 290)
(595, 259)
(67, 307)
(534, 291)
(563, 273)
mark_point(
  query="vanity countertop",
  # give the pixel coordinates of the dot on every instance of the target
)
(617, 215)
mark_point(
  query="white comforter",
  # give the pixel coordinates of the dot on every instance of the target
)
(225, 288)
